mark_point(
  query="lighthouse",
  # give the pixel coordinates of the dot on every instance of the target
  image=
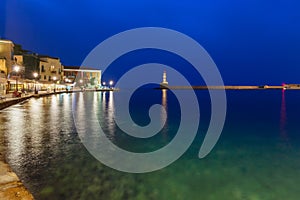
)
(164, 82)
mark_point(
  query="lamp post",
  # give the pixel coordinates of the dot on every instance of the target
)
(17, 69)
(54, 79)
(111, 83)
(80, 84)
(35, 75)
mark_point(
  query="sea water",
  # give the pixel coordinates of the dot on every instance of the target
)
(256, 157)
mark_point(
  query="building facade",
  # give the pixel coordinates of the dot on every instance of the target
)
(3, 68)
(31, 63)
(82, 76)
(15, 79)
(28, 59)
(3, 75)
(50, 69)
(18, 66)
(6, 63)
(7, 52)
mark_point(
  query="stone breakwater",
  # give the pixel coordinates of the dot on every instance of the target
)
(227, 87)
(230, 87)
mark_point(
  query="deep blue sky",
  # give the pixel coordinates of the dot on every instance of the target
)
(251, 41)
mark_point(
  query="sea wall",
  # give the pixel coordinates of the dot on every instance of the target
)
(7, 103)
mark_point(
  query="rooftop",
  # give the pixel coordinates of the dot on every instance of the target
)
(46, 56)
(6, 41)
(79, 68)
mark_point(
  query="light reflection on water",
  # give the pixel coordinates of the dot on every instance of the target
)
(110, 114)
(34, 134)
(164, 111)
(283, 117)
(164, 108)
(43, 148)
(16, 136)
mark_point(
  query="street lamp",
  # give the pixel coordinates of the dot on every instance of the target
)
(35, 75)
(17, 69)
(54, 79)
(80, 85)
(111, 83)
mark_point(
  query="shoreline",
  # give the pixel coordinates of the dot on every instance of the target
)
(11, 187)
(12, 101)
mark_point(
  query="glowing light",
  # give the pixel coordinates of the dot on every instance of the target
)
(17, 68)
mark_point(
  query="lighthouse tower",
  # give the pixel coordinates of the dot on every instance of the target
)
(164, 81)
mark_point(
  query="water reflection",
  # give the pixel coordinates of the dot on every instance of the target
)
(34, 119)
(109, 110)
(36, 133)
(283, 117)
(16, 135)
(90, 107)
(164, 110)
(66, 102)
(43, 148)
(80, 106)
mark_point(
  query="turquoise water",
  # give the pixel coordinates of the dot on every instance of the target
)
(257, 156)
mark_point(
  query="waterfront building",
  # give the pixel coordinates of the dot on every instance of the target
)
(15, 79)
(15, 74)
(29, 60)
(50, 72)
(3, 68)
(6, 63)
(82, 76)
(3, 74)
(6, 51)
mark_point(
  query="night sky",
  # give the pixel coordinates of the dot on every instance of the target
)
(251, 41)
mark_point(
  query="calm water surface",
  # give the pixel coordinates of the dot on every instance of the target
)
(257, 156)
